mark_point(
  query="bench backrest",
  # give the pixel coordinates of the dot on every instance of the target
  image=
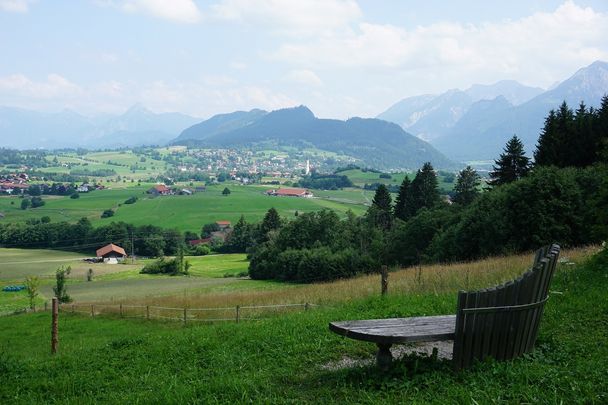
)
(503, 321)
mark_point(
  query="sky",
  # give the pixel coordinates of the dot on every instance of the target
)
(341, 58)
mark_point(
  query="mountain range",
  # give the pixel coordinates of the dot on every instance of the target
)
(458, 125)
(26, 129)
(377, 143)
(475, 124)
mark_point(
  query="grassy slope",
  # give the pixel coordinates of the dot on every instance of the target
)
(281, 359)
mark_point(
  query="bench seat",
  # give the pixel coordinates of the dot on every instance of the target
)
(398, 330)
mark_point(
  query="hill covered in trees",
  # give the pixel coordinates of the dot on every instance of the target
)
(375, 142)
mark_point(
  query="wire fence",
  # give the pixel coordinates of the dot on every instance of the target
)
(185, 315)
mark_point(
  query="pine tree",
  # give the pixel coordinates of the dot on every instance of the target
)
(425, 189)
(582, 143)
(512, 165)
(381, 209)
(546, 149)
(404, 201)
(467, 186)
(600, 128)
(271, 222)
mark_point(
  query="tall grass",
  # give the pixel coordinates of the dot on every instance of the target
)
(435, 279)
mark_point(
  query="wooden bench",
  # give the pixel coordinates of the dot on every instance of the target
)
(501, 322)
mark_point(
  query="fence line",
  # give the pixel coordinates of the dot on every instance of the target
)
(184, 315)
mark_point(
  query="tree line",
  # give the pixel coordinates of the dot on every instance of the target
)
(561, 196)
(144, 240)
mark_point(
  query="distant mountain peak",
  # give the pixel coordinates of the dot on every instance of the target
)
(137, 108)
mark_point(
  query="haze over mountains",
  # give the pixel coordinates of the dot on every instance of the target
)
(475, 124)
(464, 125)
(26, 129)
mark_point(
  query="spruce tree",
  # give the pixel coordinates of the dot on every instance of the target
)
(546, 149)
(512, 164)
(404, 200)
(381, 209)
(600, 128)
(425, 188)
(271, 222)
(467, 186)
(582, 143)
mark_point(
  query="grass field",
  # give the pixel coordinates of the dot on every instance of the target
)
(123, 282)
(295, 359)
(360, 178)
(181, 212)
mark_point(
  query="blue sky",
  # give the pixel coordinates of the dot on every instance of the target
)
(341, 58)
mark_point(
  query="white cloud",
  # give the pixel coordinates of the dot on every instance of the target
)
(304, 77)
(181, 11)
(219, 80)
(15, 6)
(55, 86)
(297, 17)
(537, 49)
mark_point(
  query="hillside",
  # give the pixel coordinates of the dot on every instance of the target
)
(375, 142)
(294, 358)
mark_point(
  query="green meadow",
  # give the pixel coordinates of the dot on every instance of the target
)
(180, 211)
(293, 358)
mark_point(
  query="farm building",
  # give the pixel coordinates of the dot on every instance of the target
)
(290, 192)
(160, 189)
(111, 254)
(196, 242)
(223, 225)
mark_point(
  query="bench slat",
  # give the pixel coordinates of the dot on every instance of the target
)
(398, 330)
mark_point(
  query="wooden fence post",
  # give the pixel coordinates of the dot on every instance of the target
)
(185, 316)
(46, 306)
(306, 306)
(121, 310)
(238, 313)
(54, 328)
(384, 279)
(148, 312)
(92, 310)
(72, 308)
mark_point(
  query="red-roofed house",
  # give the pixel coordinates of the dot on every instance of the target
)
(223, 225)
(291, 192)
(196, 242)
(160, 189)
(111, 253)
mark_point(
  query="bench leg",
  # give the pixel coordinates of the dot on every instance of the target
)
(384, 358)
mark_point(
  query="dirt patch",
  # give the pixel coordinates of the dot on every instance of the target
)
(444, 351)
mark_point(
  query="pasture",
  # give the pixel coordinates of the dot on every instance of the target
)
(182, 212)
(360, 178)
(294, 358)
(121, 282)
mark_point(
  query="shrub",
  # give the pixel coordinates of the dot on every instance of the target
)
(131, 200)
(164, 266)
(60, 288)
(107, 213)
(37, 202)
(201, 250)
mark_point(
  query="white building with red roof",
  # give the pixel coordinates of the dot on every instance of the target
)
(290, 192)
(111, 253)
